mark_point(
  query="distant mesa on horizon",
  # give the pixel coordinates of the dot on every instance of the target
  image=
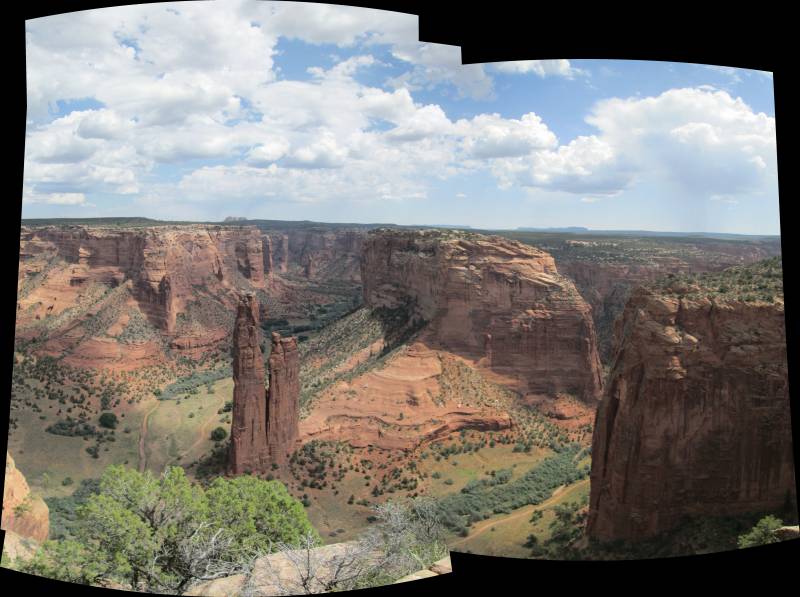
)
(556, 229)
(264, 224)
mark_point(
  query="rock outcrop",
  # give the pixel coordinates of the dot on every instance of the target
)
(23, 513)
(498, 301)
(695, 418)
(265, 422)
(283, 404)
(301, 572)
(249, 451)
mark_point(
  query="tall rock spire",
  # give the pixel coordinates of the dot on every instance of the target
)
(249, 451)
(283, 404)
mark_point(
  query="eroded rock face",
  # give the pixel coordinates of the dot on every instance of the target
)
(695, 417)
(606, 277)
(23, 513)
(496, 300)
(315, 254)
(164, 264)
(283, 407)
(249, 451)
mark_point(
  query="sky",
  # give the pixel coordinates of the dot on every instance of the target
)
(293, 111)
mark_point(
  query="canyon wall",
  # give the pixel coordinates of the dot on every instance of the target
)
(498, 301)
(165, 263)
(283, 403)
(695, 418)
(315, 253)
(23, 513)
(249, 451)
(605, 273)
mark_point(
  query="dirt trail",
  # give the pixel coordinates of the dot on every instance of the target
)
(485, 525)
(142, 437)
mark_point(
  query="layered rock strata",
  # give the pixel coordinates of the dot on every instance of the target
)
(249, 450)
(165, 265)
(498, 301)
(283, 405)
(315, 253)
(695, 419)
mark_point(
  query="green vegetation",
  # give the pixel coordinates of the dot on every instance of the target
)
(761, 534)
(108, 420)
(71, 427)
(161, 534)
(565, 529)
(758, 282)
(219, 434)
(694, 536)
(192, 383)
(482, 500)
(323, 356)
(138, 329)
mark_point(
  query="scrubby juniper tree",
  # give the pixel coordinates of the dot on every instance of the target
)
(161, 534)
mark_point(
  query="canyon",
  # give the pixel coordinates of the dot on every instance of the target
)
(695, 420)
(385, 347)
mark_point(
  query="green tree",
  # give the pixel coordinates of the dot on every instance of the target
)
(65, 560)
(219, 434)
(761, 534)
(257, 513)
(108, 420)
(160, 534)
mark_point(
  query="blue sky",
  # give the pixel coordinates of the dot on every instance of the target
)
(202, 110)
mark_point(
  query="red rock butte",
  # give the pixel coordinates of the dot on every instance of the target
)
(497, 301)
(265, 423)
(249, 451)
(695, 418)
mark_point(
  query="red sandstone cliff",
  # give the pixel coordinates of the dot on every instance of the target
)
(164, 263)
(283, 404)
(82, 285)
(695, 417)
(23, 513)
(497, 300)
(249, 451)
(315, 253)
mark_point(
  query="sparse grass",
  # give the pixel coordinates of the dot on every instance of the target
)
(172, 433)
(511, 530)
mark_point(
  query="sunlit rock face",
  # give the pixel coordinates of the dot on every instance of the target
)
(493, 299)
(283, 403)
(249, 451)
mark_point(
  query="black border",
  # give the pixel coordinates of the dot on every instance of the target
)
(742, 36)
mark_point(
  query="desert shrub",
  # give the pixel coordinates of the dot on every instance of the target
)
(533, 487)
(192, 383)
(219, 434)
(108, 420)
(71, 427)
